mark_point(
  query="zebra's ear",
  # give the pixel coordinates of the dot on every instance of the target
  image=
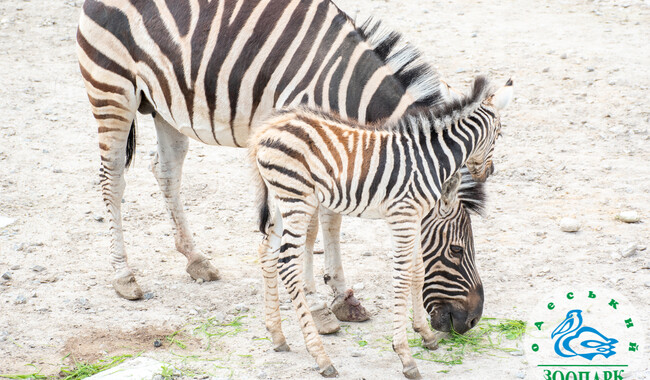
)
(503, 96)
(449, 192)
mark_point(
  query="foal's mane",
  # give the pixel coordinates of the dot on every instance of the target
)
(471, 194)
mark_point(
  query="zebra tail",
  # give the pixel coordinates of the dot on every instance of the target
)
(262, 189)
(264, 211)
(130, 145)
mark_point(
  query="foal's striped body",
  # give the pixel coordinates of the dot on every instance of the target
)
(309, 159)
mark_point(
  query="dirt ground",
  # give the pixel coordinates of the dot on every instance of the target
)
(575, 144)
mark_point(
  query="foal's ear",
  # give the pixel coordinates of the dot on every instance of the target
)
(450, 191)
(503, 96)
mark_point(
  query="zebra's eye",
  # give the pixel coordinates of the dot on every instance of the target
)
(456, 250)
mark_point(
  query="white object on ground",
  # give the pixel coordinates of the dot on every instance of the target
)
(136, 369)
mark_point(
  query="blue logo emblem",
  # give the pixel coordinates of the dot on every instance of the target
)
(574, 339)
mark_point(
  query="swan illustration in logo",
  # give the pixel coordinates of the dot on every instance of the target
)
(573, 339)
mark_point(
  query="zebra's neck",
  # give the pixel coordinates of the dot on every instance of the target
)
(439, 153)
(360, 73)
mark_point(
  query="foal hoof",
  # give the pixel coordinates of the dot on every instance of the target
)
(203, 269)
(329, 371)
(126, 287)
(431, 344)
(284, 347)
(347, 308)
(325, 321)
(412, 373)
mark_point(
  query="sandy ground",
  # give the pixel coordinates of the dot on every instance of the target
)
(575, 145)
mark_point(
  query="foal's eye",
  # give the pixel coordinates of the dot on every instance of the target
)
(457, 250)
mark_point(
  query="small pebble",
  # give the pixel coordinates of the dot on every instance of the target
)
(569, 225)
(219, 316)
(521, 375)
(628, 216)
(355, 353)
(563, 56)
(262, 375)
(367, 253)
(57, 171)
(647, 284)
(474, 34)
(517, 353)
(285, 307)
(630, 250)
(148, 295)
(242, 308)
(38, 268)
(6, 276)
(546, 69)
(358, 286)
(98, 218)
(590, 69)
(199, 280)
(15, 267)
(21, 299)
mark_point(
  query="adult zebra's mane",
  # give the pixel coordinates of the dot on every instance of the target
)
(417, 77)
(442, 116)
(471, 194)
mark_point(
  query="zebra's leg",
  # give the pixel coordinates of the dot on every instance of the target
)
(345, 306)
(325, 320)
(404, 234)
(113, 136)
(268, 255)
(430, 338)
(312, 232)
(295, 223)
(167, 167)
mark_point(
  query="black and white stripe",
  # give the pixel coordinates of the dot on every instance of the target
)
(396, 171)
(211, 70)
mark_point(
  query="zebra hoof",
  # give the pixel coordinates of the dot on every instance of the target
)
(412, 373)
(329, 371)
(203, 269)
(284, 347)
(431, 344)
(127, 288)
(347, 308)
(325, 321)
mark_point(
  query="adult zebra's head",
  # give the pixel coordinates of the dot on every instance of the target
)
(479, 163)
(453, 292)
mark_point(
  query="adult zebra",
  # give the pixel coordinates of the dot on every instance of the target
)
(209, 70)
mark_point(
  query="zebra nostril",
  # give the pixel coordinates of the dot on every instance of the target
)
(473, 322)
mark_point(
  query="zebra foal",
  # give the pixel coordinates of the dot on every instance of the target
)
(307, 159)
(452, 291)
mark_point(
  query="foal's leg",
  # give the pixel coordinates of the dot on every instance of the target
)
(296, 218)
(324, 319)
(167, 167)
(312, 233)
(345, 306)
(404, 228)
(268, 251)
(420, 324)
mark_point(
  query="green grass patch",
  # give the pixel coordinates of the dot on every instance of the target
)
(34, 375)
(82, 370)
(211, 328)
(490, 336)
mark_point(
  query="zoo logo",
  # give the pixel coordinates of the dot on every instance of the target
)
(589, 334)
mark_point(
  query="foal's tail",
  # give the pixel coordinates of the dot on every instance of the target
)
(262, 189)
